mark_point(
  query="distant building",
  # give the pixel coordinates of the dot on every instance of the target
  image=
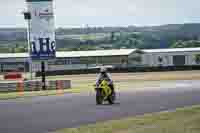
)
(113, 58)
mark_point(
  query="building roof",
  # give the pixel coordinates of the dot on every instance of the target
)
(96, 53)
(13, 55)
(116, 52)
(172, 50)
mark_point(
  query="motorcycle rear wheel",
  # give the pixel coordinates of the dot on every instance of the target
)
(111, 98)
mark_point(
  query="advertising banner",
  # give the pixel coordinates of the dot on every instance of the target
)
(42, 29)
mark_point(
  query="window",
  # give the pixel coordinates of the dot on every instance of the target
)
(197, 58)
(136, 59)
(60, 62)
(75, 61)
(111, 60)
(124, 59)
(83, 60)
(92, 60)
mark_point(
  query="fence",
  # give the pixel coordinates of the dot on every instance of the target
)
(33, 85)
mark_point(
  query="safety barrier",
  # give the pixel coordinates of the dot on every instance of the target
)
(13, 76)
(21, 86)
(121, 70)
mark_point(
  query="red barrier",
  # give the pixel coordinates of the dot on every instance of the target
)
(13, 76)
(20, 88)
(59, 87)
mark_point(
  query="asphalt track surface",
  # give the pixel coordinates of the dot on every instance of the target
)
(47, 114)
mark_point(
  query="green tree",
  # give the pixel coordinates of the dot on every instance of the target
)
(20, 50)
(186, 44)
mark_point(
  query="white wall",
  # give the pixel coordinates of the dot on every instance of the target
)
(151, 59)
(66, 67)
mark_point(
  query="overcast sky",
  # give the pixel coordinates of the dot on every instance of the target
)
(78, 13)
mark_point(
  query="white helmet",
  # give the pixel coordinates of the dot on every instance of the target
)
(103, 69)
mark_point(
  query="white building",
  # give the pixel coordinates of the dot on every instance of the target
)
(172, 57)
(115, 58)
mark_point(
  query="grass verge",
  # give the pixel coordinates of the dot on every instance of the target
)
(186, 120)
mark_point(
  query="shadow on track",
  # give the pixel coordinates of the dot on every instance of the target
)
(107, 104)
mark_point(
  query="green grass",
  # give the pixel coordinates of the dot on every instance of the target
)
(186, 120)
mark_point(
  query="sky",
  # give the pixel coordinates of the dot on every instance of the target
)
(79, 13)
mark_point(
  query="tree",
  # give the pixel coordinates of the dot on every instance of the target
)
(186, 44)
(20, 50)
(4, 50)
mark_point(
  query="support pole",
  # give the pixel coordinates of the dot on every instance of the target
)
(27, 16)
(29, 49)
(43, 75)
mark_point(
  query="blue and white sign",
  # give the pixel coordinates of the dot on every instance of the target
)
(42, 29)
(43, 49)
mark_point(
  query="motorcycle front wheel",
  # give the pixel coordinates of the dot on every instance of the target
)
(99, 98)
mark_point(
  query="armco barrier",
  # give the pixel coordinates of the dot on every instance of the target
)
(121, 70)
(35, 85)
(8, 87)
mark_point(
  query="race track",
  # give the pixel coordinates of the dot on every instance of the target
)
(47, 114)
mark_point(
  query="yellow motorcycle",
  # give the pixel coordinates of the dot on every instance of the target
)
(104, 93)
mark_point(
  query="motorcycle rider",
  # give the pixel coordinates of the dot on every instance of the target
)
(104, 75)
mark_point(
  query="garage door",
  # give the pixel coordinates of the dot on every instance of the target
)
(179, 60)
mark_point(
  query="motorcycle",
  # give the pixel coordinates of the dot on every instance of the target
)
(104, 93)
